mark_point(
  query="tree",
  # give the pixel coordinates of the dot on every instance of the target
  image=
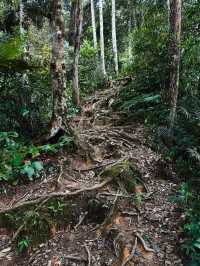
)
(114, 38)
(103, 68)
(93, 23)
(58, 68)
(77, 41)
(175, 29)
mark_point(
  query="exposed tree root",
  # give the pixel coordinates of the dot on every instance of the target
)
(88, 253)
(147, 249)
(132, 253)
(55, 195)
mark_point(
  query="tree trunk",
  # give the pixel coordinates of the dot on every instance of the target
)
(77, 41)
(168, 12)
(103, 68)
(71, 23)
(21, 17)
(175, 29)
(58, 68)
(114, 38)
(93, 23)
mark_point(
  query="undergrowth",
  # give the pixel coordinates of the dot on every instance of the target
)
(20, 162)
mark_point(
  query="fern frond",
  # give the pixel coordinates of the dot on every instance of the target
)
(193, 153)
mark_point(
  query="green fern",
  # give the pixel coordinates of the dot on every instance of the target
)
(141, 99)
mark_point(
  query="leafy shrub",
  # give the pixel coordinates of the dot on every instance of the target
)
(189, 199)
(90, 72)
(18, 159)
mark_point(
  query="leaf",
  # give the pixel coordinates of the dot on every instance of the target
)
(37, 166)
(17, 160)
(53, 231)
(29, 171)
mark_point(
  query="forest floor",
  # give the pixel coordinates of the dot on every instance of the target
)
(116, 194)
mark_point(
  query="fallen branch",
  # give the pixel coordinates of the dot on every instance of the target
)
(55, 195)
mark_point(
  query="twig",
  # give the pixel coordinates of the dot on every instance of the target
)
(143, 243)
(130, 213)
(56, 195)
(88, 253)
(132, 253)
(114, 194)
(81, 220)
(71, 257)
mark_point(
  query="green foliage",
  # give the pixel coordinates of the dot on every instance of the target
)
(90, 73)
(138, 200)
(56, 207)
(36, 222)
(19, 160)
(23, 245)
(189, 199)
(149, 64)
(11, 48)
(14, 159)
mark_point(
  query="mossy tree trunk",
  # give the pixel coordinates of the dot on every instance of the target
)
(58, 68)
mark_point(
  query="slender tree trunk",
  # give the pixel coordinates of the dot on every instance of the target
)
(72, 22)
(93, 23)
(103, 68)
(21, 17)
(168, 12)
(175, 29)
(77, 42)
(130, 55)
(58, 68)
(114, 37)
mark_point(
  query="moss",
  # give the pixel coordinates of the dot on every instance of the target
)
(125, 175)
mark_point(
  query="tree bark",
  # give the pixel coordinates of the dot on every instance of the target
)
(21, 17)
(175, 29)
(78, 23)
(168, 11)
(77, 41)
(93, 23)
(114, 37)
(58, 68)
(103, 68)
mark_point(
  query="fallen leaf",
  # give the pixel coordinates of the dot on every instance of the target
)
(53, 231)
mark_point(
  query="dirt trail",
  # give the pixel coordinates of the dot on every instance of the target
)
(129, 221)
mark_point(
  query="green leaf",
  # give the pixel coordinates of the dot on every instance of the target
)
(38, 166)
(17, 160)
(29, 171)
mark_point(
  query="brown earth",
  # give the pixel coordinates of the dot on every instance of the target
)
(128, 220)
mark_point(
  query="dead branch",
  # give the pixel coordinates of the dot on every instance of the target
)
(55, 195)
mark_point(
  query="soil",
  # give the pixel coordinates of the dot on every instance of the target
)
(129, 221)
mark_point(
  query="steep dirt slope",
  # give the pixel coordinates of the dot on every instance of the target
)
(117, 209)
